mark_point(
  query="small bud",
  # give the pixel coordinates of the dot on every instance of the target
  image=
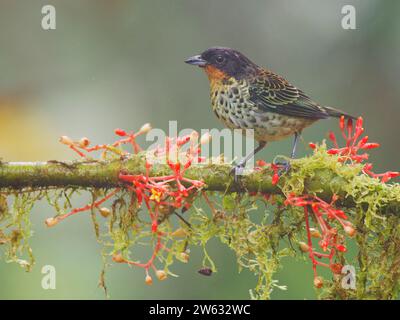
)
(341, 123)
(336, 268)
(205, 138)
(161, 275)
(333, 151)
(84, 142)
(371, 145)
(350, 230)
(261, 163)
(304, 247)
(315, 233)
(50, 222)
(332, 136)
(118, 258)
(275, 178)
(66, 140)
(145, 128)
(105, 212)
(120, 132)
(180, 232)
(148, 280)
(318, 282)
(205, 271)
(184, 257)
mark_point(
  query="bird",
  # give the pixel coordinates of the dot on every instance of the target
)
(247, 96)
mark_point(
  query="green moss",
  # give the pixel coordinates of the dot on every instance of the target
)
(259, 242)
(15, 228)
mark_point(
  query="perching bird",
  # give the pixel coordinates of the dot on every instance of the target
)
(246, 96)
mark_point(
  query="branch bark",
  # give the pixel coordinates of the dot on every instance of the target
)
(104, 174)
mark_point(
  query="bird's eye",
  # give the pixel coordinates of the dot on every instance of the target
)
(219, 59)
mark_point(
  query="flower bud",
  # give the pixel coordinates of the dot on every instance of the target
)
(205, 138)
(315, 233)
(148, 280)
(84, 142)
(205, 271)
(184, 257)
(261, 163)
(333, 151)
(341, 123)
(145, 128)
(350, 230)
(161, 275)
(318, 282)
(336, 268)
(304, 247)
(50, 222)
(371, 145)
(275, 178)
(105, 212)
(120, 132)
(66, 140)
(118, 258)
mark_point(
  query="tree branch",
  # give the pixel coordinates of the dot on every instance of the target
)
(104, 174)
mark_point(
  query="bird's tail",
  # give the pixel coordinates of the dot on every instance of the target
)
(332, 112)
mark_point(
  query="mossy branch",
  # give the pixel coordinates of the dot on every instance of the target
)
(104, 174)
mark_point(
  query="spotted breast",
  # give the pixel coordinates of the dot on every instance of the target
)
(230, 99)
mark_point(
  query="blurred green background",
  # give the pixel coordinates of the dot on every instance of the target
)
(120, 63)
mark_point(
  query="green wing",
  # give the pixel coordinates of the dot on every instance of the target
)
(272, 93)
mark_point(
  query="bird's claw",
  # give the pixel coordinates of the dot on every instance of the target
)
(237, 171)
(285, 166)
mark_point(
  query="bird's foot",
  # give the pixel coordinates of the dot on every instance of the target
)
(237, 171)
(284, 166)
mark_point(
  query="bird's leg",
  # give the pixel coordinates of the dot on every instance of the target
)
(295, 141)
(238, 169)
(286, 164)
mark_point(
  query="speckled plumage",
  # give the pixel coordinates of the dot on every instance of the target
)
(232, 104)
(246, 96)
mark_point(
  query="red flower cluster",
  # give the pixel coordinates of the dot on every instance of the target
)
(330, 239)
(159, 190)
(385, 177)
(170, 191)
(82, 145)
(275, 168)
(354, 144)
(160, 194)
(50, 222)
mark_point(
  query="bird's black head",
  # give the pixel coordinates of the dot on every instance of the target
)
(229, 61)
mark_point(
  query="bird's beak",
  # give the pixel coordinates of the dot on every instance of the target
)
(196, 61)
